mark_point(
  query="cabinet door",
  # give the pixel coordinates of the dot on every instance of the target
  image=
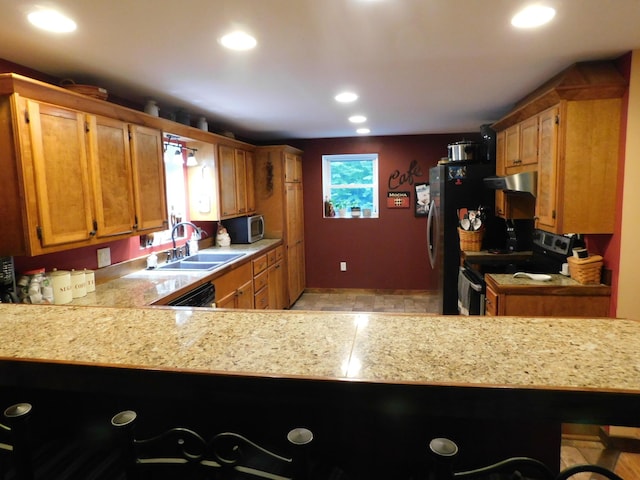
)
(294, 240)
(227, 180)
(555, 305)
(148, 178)
(296, 271)
(529, 141)
(512, 146)
(501, 209)
(240, 179)
(294, 215)
(250, 182)
(228, 301)
(546, 198)
(59, 153)
(491, 302)
(292, 167)
(245, 296)
(276, 286)
(110, 161)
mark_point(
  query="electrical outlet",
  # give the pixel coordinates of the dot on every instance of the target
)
(104, 257)
(343, 266)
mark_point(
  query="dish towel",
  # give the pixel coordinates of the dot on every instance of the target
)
(464, 293)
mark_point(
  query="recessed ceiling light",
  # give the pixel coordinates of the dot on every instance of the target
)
(346, 97)
(52, 21)
(357, 119)
(238, 40)
(533, 16)
(363, 131)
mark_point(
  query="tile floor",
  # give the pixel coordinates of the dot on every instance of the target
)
(362, 301)
(626, 465)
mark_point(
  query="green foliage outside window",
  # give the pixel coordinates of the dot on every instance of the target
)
(351, 184)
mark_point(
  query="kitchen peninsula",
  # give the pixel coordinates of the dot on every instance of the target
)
(371, 386)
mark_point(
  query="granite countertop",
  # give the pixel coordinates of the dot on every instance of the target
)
(147, 287)
(558, 283)
(550, 353)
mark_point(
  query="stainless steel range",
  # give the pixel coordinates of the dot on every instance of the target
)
(548, 252)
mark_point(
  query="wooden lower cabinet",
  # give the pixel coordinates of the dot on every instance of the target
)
(592, 301)
(260, 282)
(235, 289)
(276, 279)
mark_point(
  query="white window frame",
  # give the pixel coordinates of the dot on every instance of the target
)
(326, 179)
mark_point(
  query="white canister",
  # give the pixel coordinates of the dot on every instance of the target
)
(61, 283)
(151, 108)
(203, 124)
(78, 284)
(90, 280)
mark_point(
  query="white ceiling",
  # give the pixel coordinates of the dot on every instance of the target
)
(419, 66)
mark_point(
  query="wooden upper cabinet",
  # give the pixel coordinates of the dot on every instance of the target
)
(240, 181)
(572, 124)
(250, 182)
(521, 145)
(58, 151)
(227, 180)
(547, 174)
(148, 178)
(578, 174)
(501, 207)
(236, 181)
(110, 161)
(293, 167)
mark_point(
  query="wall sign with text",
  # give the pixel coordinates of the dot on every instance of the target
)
(398, 199)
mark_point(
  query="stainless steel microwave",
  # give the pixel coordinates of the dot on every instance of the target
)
(245, 229)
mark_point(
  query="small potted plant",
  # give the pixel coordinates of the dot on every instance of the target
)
(355, 211)
(342, 209)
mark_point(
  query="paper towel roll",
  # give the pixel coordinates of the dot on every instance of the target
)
(61, 282)
(78, 284)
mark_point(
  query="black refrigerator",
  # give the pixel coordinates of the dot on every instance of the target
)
(453, 186)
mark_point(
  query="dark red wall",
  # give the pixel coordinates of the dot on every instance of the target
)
(389, 252)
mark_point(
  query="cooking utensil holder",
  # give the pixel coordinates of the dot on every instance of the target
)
(471, 240)
(586, 271)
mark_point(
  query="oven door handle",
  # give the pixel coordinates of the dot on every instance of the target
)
(473, 281)
(433, 233)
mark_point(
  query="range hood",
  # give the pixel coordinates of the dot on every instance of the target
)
(525, 182)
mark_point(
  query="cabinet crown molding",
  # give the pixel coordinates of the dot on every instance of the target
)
(581, 81)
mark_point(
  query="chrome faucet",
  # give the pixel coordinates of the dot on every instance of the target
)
(197, 229)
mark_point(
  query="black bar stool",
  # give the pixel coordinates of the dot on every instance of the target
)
(15, 442)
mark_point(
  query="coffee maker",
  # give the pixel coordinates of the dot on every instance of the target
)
(519, 235)
(7, 281)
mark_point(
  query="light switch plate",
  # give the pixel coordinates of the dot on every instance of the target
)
(343, 266)
(104, 257)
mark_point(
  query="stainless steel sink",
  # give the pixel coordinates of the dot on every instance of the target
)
(201, 261)
(187, 265)
(213, 257)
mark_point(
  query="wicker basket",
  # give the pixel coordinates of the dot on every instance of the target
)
(88, 90)
(471, 240)
(585, 270)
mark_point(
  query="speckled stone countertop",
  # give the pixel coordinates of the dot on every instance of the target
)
(146, 287)
(551, 353)
(557, 284)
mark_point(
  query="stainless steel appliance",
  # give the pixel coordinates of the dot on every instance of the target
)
(245, 229)
(202, 296)
(548, 252)
(454, 185)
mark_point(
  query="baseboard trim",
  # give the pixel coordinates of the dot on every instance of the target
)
(370, 291)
